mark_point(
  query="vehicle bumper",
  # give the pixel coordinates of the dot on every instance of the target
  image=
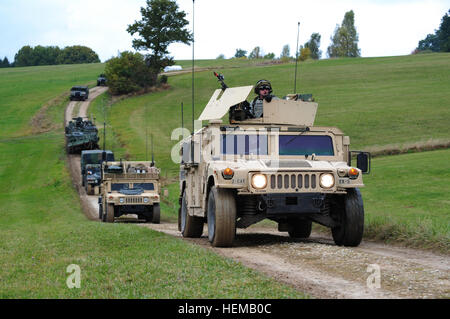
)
(307, 203)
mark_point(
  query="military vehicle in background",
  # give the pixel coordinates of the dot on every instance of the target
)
(279, 166)
(81, 135)
(130, 188)
(101, 80)
(91, 169)
(80, 93)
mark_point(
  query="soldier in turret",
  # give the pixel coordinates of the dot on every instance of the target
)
(263, 90)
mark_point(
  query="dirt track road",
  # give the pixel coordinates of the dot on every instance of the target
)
(320, 268)
(89, 203)
(315, 266)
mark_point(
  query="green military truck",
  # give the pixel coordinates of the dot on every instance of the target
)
(91, 167)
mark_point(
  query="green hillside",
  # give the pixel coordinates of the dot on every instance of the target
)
(24, 91)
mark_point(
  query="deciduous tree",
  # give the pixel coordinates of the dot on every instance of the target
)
(255, 54)
(314, 46)
(344, 42)
(128, 73)
(162, 23)
(240, 53)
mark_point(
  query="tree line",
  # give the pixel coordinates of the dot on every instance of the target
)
(439, 41)
(344, 43)
(51, 55)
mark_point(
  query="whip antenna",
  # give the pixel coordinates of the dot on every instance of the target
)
(193, 55)
(296, 59)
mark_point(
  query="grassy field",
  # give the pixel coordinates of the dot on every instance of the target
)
(406, 199)
(379, 102)
(43, 230)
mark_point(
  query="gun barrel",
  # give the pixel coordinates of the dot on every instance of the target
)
(220, 78)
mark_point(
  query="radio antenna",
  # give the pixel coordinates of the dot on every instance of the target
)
(146, 133)
(193, 55)
(153, 154)
(296, 59)
(182, 120)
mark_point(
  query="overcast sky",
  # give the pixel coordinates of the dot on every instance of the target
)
(385, 27)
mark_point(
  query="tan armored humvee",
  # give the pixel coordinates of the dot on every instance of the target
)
(129, 188)
(279, 166)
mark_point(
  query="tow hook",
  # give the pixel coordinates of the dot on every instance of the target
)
(262, 206)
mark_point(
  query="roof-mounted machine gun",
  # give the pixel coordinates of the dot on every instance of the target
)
(238, 112)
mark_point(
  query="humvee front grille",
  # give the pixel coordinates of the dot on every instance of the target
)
(285, 181)
(134, 200)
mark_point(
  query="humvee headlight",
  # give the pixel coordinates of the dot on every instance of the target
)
(353, 173)
(327, 180)
(146, 199)
(121, 200)
(259, 181)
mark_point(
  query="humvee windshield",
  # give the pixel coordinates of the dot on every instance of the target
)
(241, 144)
(79, 88)
(143, 186)
(321, 145)
(96, 158)
(118, 186)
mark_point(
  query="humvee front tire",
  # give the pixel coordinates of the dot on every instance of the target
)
(154, 217)
(221, 217)
(191, 226)
(300, 228)
(350, 231)
(110, 213)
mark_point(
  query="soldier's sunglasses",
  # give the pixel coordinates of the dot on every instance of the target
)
(264, 88)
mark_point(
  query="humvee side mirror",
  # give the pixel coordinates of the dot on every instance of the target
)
(363, 160)
(166, 193)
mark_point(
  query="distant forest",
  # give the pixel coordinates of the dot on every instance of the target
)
(51, 55)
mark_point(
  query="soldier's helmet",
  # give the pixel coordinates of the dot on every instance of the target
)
(263, 84)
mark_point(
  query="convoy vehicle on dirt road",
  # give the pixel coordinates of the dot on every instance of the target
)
(80, 93)
(101, 80)
(130, 188)
(91, 169)
(280, 167)
(81, 135)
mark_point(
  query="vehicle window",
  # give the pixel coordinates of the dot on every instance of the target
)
(118, 186)
(321, 145)
(145, 186)
(240, 144)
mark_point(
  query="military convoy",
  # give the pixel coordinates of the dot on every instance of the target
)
(81, 135)
(279, 167)
(129, 188)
